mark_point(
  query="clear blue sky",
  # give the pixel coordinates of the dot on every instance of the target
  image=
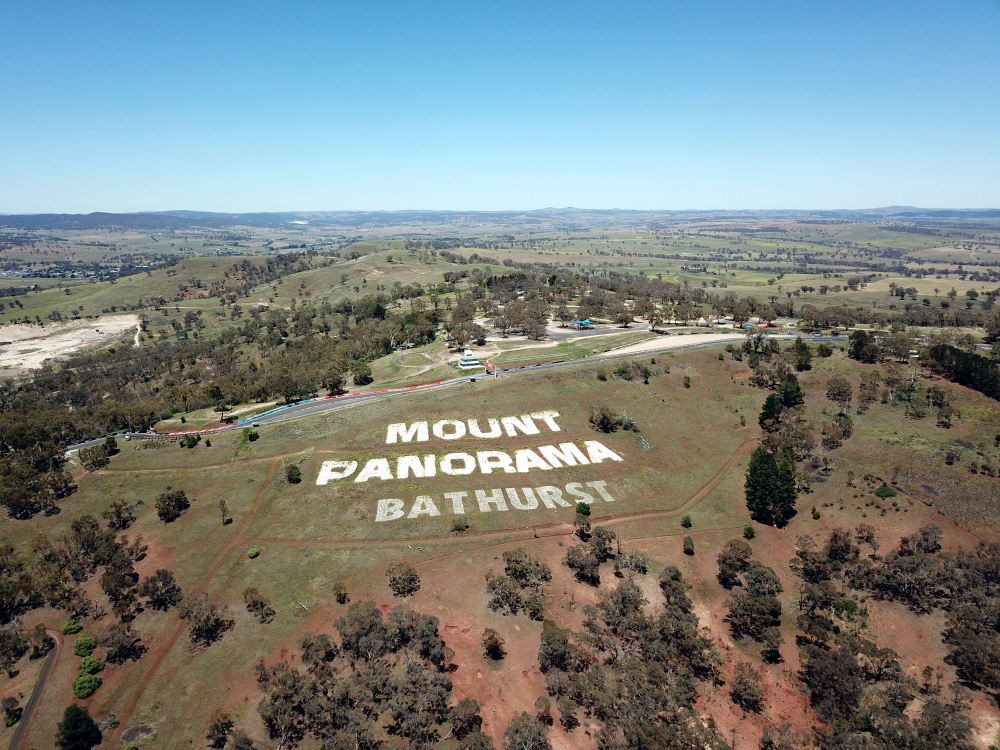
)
(384, 105)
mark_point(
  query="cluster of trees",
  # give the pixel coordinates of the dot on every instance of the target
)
(519, 588)
(634, 673)
(56, 573)
(942, 315)
(347, 688)
(858, 688)
(754, 609)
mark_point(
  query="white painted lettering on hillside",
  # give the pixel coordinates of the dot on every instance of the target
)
(521, 461)
(494, 463)
(453, 429)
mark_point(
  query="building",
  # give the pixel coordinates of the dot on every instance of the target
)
(468, 362)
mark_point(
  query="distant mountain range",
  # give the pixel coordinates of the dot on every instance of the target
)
(550, 218)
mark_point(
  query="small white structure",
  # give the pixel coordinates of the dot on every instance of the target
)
(468, 361)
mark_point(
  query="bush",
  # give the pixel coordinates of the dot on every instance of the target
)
(86, 685)
(250, 434)
(293, 474)
(459, 525)
(89, 665)
(688, 545)
(72, 628)
(885, 492)
(686, 522)
(254, 552)
(687, 381)
(749, 532)
(84, 646)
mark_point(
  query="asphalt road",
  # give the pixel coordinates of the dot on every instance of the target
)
(36, 695)
(322, 405)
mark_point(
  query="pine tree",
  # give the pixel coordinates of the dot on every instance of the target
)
(770, 488)
(784, 500)
(761, 473)
(771, 412)
(791, 392)
(77, 731)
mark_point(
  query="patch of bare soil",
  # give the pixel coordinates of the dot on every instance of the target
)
(26, 347)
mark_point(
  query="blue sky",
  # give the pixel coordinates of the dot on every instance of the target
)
(384, 105)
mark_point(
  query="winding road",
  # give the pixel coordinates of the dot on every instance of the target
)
(324, 404)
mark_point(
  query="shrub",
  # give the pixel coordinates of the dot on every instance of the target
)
(459, 525)
(688, 545)
(250, 434)
(293, 474)
(84, 646)
(815, 514)
(687, 381)
(885, 492)
(749, 532)
(686, 522)
(254, 552)
(90, 665)
(72, 628)
(86, 685)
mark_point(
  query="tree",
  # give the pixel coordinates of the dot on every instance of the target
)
(476, 741)
(12, 710)
(121, 643)
(770, 488)
(208, 621)
(587, 567)
(688, 545)
(526, 733)
(567, 713)
(364, 633)
(770, 414)
(403, 579)
(120, 515)
(543, 710)
(839, 390)
(629, 564)
(224, 512)
(493, 644)
(361, 372)
(94, 457)
(746, 691)
(791, 392)
(77, 731)
(465, 718)
(218, 730)
(803, 355)
(733, 560)
(293, 474)
(317, 650)
(161, 590)
(170, 505)
(258, 605)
